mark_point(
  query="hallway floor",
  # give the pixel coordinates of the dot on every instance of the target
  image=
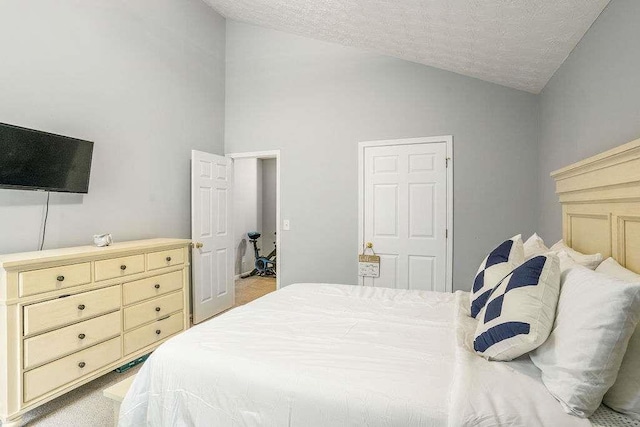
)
(253, 288)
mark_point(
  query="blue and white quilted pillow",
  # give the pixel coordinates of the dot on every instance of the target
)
(520, 312)
(500, 261)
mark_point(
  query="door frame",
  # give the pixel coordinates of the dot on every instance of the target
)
(448, 140)
(269, 154)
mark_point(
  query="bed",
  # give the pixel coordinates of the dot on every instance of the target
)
(331, 355)
(339, 355)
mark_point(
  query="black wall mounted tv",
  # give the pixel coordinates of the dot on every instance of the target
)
(34, 160)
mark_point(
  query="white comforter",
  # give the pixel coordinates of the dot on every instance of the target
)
(335, 355)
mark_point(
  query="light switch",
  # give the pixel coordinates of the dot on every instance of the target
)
(286, 225)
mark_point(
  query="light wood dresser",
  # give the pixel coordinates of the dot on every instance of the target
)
(68, 316)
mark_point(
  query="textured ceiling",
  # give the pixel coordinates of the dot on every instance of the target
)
(515, 43)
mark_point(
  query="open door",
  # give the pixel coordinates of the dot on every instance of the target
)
(212, 233)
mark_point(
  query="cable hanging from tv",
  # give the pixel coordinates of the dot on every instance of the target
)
(46, 216)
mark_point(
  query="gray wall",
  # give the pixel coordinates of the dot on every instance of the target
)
(592, 103)
(143, 79)
(247, 209)
(315, 101)
(269, 210)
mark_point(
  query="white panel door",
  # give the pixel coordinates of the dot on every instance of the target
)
(405, 214)
(212, 231)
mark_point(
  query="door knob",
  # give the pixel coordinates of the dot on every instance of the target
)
(198, 245)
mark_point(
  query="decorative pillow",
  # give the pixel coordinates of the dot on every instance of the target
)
(520, 312)
(624, 396)
(595, 318)
(534, 246)
(589, 261)
(500, 261)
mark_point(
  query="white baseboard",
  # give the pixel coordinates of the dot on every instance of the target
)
(238, 276)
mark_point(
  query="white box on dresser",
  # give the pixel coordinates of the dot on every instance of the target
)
(68, 316)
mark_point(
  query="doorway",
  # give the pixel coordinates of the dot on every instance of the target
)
(406, 211)
(256, 203)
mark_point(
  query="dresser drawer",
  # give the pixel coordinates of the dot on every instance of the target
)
(142, 313)
(56, 374)
(119, 267)
(52, 345)
(52, 279)
(151, 287)
(163, 259)
(153, 332)
(63, 311)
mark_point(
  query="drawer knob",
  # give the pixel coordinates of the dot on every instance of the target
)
(82, 364)
(157, 286)
(81, 307)
(123, 267)
(82, 336)
(60, 278)
(157, 308)
(158, 331)
(168, 259)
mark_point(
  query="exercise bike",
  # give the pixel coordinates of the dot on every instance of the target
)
(264, 266)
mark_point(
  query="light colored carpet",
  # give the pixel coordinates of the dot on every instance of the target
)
(87, 407)
(82, 407)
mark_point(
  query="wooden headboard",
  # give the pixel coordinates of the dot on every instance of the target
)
(600, 199)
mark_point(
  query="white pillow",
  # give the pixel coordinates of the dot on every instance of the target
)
(595, 318)
(589, 261)
(534, 246)
(566, 262)
(611, 267)
(520, 312)
(624, 396)
(500, 261)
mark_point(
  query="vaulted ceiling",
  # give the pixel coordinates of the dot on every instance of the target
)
(515, 43)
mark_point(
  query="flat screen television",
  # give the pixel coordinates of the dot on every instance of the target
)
(34, 160)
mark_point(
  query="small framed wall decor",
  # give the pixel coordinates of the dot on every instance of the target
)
(369, 263)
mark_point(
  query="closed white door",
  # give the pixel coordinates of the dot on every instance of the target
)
(405, 214)
(212, 233)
